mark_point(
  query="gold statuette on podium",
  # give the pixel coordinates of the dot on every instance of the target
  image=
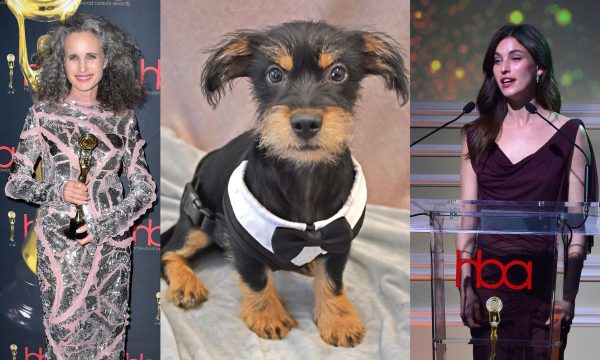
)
(494, 306)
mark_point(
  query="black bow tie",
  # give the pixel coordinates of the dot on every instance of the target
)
(334, 238)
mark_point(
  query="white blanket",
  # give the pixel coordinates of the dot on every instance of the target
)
(376, 280)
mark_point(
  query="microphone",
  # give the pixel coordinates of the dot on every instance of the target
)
(586, 183)
(467, 109)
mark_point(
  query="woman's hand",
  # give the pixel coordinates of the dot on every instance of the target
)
(86, 240)
(470, 309)
(573, 268)
(75, 192)
(565, 309)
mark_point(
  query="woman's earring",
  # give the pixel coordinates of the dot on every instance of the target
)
(537, 78)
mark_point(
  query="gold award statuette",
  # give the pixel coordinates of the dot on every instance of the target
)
(157, 307)
(13, 350)
(11, 221)
(37, 10)
(87, 143)
(494, 306)
(10, 58)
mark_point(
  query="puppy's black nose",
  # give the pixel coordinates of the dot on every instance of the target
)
(306, 125)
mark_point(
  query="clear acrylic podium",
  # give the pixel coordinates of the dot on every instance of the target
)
(443, 219)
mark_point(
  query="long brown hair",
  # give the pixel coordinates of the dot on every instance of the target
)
(492, 104)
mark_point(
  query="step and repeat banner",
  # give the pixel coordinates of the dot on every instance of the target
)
(21, 330)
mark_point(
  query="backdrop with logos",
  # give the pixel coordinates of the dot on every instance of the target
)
(20, 305)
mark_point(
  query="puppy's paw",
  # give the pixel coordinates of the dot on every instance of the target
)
(271, 321)
(340, 326)
(187, 292)
(185, 289)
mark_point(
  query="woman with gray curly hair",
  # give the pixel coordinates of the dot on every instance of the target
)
(88, 85)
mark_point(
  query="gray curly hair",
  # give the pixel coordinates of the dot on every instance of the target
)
(120, 87)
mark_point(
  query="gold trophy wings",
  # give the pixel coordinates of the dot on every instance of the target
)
(37, 10)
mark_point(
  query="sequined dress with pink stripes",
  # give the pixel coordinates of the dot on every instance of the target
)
(84, 289)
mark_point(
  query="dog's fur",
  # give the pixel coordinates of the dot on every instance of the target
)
(305, 78)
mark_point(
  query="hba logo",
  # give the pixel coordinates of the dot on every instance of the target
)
(34, 355)
(155, 70)
(148, 230)
(479, 265)
(26, 223)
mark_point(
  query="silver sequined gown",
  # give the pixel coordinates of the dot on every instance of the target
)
(84, 289)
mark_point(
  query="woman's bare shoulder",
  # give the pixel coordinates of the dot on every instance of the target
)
(559, 119)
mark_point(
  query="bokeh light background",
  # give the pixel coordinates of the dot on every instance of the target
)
(449, 39)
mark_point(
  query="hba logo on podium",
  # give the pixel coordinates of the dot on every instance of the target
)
(479, 265)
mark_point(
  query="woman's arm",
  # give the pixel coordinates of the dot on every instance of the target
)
(577, 247)
(142, 191)
(468, 191)
(470, 311)
(577, 174)
(21, 184)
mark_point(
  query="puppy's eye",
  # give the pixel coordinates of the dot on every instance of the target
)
(275, 75)
(338, 73)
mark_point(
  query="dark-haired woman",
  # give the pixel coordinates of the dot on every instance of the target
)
(511, 154)
(88, 84)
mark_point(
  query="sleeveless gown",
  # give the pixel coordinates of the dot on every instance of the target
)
(541, 176)
(84, 289)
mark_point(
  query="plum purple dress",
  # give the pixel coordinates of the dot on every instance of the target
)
(543, 175)
(84, 289)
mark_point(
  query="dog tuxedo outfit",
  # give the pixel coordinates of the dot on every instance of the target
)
(279, 243)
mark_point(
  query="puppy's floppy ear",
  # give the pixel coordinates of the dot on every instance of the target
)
(382, 57)
(228, 60)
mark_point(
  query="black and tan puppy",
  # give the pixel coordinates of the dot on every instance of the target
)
(286, 195)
